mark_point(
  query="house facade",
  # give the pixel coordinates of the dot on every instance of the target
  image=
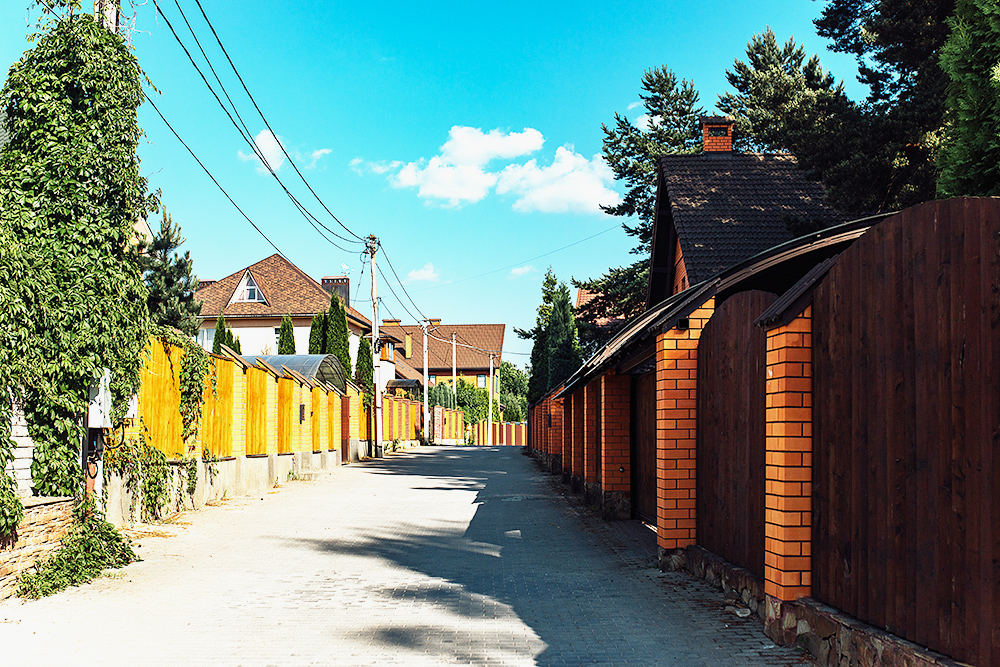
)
(255, 298)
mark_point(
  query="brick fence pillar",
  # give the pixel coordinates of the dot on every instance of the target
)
(616, 475)
(676, 423)
(788, 496)
(556, 435)
(591, 433)
(567, 438)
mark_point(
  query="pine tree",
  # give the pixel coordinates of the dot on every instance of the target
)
(539, 378)
(169, 279)
(561, 340)
(317, 341)
(364, 374)
(338, 337)
(970, 158)
(236, 345)
(219, 339)
(286, 339)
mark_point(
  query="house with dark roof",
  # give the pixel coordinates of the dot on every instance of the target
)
(472, 363)
(254, 299)
(718, 208)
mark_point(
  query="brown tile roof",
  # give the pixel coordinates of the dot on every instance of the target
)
(728, 207)
(405, 371)
(482, 336)
(288, 290)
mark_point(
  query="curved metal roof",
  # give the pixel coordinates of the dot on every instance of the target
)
(322, 367)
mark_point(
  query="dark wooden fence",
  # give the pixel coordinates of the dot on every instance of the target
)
(907, 427)
(731, 431)
(643, 424)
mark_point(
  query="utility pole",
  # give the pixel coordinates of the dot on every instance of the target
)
(106, 13)
(489, 422)
(376, 353)
(454, 373)
(423, 327)
(500, 416)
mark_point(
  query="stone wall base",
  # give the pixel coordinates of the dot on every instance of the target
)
(576, 484)
(736, 582)
(838, 640)
(46, 521)
(592, 493)
(616, 505)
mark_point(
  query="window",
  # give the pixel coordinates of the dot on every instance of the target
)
(248, 291)
(718, 131)
(277, 335)
(481, 381)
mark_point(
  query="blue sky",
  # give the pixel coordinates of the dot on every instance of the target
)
(466, 136)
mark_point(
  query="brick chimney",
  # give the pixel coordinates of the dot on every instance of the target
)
(717, 134)
(434, 321)
(339, 284)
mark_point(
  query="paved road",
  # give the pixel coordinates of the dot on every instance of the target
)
(443, 555)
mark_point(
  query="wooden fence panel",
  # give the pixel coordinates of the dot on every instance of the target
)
(256, 412)
(160, 398)
(906, 423)
(730, 441)
(318, 419)
(285, 408)
(217, 411)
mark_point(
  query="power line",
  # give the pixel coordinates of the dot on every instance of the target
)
(200, 164)
(403, 287)
(244, 132)
(268, 125)
(510, 266)
(389, 285)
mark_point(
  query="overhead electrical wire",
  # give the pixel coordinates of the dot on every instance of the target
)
(268, 125)
(245, 133)
(202, 165)
(389, 261)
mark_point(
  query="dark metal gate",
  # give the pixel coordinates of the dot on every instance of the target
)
(643, 404)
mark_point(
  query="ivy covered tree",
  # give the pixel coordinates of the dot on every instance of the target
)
(169, 280)
(970, 158)
(74, 302)
(364, 373)
(561, 338)
(286, 337)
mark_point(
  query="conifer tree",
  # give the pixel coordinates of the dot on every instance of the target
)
(338, 337)
(364, 374)
(169, 279)
(220, 338)
(236, 344)
(286, 339)
(317, 340)
(539, 378)
(970, 159)
(561, 339)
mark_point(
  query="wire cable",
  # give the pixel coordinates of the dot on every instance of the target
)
(389, 285)
(244, 133)
(201, 164)
(403, 287)
(268, 125)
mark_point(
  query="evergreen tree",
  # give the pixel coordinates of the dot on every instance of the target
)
(236, 345)
(317, 337)
(364, 373)
(441, 394)
(169, 280)
(220, 338)
(970, 158)
(539, 377)
(513, 392)
(286, 339)
(561, 339)
(338, 336)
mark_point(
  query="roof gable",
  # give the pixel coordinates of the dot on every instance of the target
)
(724, 208)
(482, 336)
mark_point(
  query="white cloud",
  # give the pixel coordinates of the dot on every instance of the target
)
(457, 175)
(634, 105)
(427, 273)
(269, 146)
(571, 184)
(519, 271)
(316, 156)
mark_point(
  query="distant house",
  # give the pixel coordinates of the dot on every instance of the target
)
(255, 298)
(471, 362)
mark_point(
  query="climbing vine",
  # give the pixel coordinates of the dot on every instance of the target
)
(144, 473)
(70, 192)
(196, 365)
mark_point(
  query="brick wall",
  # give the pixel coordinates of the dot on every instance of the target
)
(788, 495)
(615, 433)
(591, 426)
(676, 423)
(46, 521)
(577, 463)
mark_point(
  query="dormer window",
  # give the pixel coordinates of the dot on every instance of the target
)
(248, 291)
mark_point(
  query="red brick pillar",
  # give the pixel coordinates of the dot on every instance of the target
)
(616, 476)
(788, 471)
(676, 423)
(591, 424)
(567, 434)
(556, 410)
(578, 411)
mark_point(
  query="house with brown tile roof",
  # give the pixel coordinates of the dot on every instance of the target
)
(255, 298)
(471, 364)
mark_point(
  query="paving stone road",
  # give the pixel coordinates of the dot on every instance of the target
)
(441, 555)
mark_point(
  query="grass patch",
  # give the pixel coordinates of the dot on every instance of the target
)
(94, 545)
